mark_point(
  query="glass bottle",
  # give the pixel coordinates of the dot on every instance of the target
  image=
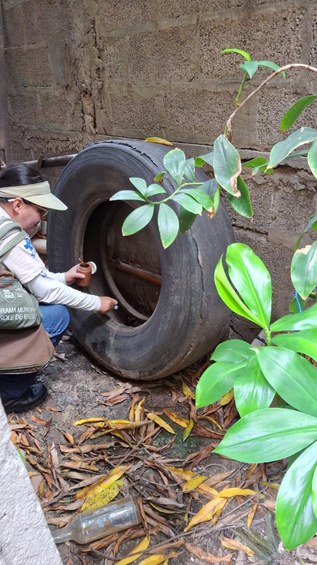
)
(89, 526)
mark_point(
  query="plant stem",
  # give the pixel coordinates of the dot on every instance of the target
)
(244, 78)
(268, 336)
(228, 128)
(175, 192)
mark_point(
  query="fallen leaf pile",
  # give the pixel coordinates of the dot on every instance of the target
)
(101, 460)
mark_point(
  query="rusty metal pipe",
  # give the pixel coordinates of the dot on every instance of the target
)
(136, 272)
(47, 162)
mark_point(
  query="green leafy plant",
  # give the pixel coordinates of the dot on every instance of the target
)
(190, 198)
(283, 371)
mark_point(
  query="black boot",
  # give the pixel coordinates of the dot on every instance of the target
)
(33, 396)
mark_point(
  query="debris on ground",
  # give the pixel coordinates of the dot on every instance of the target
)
(148, 441)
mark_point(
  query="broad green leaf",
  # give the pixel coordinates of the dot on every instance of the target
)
(295, 111)
(210, 187)
(268, 434)
(230, 297)
(208, 158)
(189, 170)
(251, 279)
(282, 149)
(227, 164)
(154, 188)
(242, 205)
(168, 225)
(186, 220)
(256, 163)
(250, 67)
(139, 183)
(138, 219)
(270, 65)
(200, 196)
(127, 195)
(251, 390)
(293, 377)
(188, 203)
(295, 518)
(241, 52)
(199, 162)
(216, 381)
(312, 158)
(216, 200)
(304, 270)
(233, 351)
(306, 320)
(314, 490)
(304, 342)
(174, 162)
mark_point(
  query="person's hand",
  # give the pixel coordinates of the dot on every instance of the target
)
(106, 304)
(73, 274)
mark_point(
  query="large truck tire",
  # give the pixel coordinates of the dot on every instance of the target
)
(170, 314)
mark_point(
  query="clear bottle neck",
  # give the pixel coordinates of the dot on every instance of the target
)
(60, 536)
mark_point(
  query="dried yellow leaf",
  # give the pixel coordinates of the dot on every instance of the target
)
(229, 492)
(237, 545)
(182, 473)
(138, 410)
(102, 497)
(211, 420)
(103, 483)
(89, 421)
(187, 475)
(187, 391)
(160, 422)
(218, 512)
(208, 491)
(192, 484)
(275, 486)
(159, 140)
(114, 423)
(176, 418)
(144, 544)
(251, 515)
(205, 513)
(226, 398)
(188, 429)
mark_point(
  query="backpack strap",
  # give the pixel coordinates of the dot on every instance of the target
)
(6, 226)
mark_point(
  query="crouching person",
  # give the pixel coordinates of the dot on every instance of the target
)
(25, 199)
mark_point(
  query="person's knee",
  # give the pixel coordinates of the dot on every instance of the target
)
(55, 319)
(64, 316)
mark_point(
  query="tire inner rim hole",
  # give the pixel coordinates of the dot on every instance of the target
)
(128, 268)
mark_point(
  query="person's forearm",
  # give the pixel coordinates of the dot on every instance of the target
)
(51, 291)
(56, 276)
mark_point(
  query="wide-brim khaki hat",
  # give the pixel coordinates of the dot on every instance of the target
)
(38, 193)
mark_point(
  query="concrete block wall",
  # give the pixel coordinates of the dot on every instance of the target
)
(79, 72)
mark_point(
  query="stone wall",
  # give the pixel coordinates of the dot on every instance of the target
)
(78, 72)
